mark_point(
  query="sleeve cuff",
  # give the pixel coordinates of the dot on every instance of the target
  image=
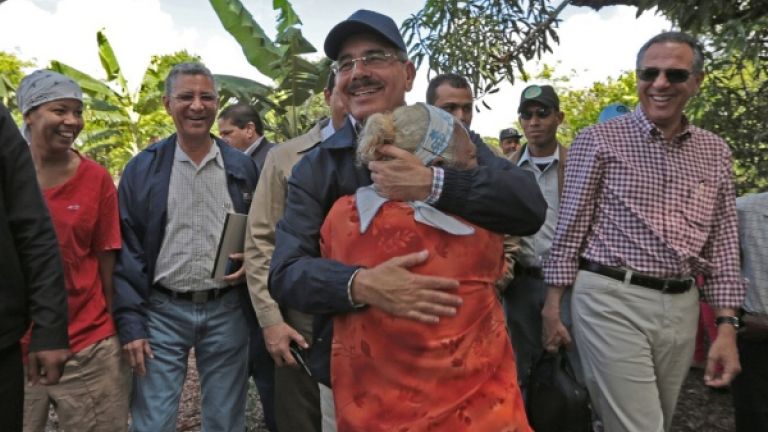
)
(269, 316)
(438, 179)
(349, 291)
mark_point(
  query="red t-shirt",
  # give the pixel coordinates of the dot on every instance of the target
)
(85, 216)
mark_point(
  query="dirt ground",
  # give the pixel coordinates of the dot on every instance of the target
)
(699, 408)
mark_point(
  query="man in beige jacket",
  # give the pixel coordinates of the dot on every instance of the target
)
(297, 400)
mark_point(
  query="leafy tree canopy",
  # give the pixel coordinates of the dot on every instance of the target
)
(489, 41)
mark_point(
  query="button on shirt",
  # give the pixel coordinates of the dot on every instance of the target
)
(198, 200)
(666, 208)
(533, 249)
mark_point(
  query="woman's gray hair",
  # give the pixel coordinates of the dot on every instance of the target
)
(406, 128)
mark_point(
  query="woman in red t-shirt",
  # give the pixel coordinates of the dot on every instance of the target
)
(93, 392)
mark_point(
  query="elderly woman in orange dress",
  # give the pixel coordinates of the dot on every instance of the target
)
(394, 374)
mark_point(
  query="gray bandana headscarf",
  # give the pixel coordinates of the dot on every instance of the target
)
(43, 86)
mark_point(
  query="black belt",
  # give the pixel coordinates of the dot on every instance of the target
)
(669, 286)
(532, 272)
(194, 296)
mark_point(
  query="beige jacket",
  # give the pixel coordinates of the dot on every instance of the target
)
(267, 209)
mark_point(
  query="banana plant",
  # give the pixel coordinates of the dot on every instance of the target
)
(121, 122)
(296, 78)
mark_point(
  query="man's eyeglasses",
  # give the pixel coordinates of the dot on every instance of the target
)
(374, 60)
(188, 98)
(674, 76)
(541, 113)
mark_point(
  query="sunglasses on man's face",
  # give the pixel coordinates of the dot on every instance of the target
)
(541, 113)
(674, 76)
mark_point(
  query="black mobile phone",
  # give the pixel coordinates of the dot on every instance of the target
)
(300, 355)
(232, 266)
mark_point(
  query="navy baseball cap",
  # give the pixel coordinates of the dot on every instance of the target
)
(543, 94)
(363, 21)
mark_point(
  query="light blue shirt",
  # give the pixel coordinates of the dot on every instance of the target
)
(534, 248)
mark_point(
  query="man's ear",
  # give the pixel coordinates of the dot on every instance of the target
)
(698, 79)
(250, 127)
(410, 75)
(167, 104)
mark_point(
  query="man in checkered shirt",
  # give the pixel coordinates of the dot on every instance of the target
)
(648, 204)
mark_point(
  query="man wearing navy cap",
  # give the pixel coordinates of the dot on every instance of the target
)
(373, 71)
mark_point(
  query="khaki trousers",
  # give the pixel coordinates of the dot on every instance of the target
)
(636, 346)
(92, 395)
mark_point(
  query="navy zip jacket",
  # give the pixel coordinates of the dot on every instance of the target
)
(143, 198)
(497, 196)
(31, 278)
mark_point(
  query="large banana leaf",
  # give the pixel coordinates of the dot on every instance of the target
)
(109, 61)
(89, 84)
(258, 48)
(244, 90)
(287, 17)
(292, 40)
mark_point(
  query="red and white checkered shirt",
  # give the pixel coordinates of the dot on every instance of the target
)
(665, 208)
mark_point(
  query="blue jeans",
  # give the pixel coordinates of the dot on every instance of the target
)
(218, 332)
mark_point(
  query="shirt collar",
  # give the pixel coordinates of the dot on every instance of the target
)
(252, 148)
(213, 154)
(327, 131)
(526, 156)
(652, 131)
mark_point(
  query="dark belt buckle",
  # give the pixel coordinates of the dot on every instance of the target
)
(199, 297)
(685, 285)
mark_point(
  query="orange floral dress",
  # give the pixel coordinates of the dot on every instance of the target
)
(396, 374)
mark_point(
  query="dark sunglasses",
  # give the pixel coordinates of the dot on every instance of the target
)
(675, 76)
(541, 113)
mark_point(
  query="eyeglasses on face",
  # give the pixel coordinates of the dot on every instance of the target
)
(674, 76)
(188, 98)
(374, 60)
(541, 113)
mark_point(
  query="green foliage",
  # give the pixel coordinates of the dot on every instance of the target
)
(288, 105)
(487, 41)
(493, 143)
(118, 122)
(733, 103)
(582, 106)
(10, 76)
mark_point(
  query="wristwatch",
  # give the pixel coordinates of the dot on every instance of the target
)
(732, 320)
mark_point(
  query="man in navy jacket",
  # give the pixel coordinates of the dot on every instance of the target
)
(373, 71)
(173, 199)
